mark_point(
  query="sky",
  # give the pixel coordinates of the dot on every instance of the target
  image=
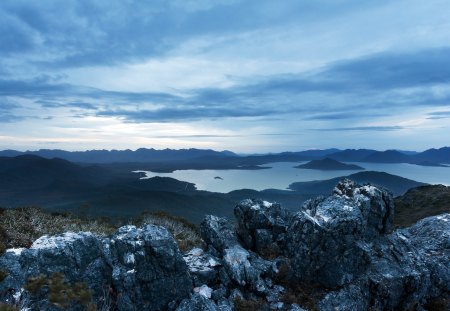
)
(247, 76)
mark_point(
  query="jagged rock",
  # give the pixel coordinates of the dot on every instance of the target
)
(197, 303)
(218, 233)
(148, 269)
(327, 239)
(261, 225)
(203, 267)
(351, 297)
(431, 239)
(144, 267)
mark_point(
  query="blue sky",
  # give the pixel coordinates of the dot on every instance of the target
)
(249, 76)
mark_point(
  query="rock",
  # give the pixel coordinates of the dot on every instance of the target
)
(204, 290)
(431, 239)
(237, 264)
(148, 269)
(349, 298)
(197, 303)
(203, 267)
(328, 239)
(143, 266)
(261, 225)
(218, 233)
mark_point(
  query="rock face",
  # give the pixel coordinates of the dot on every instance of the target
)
(143, 267)
(341, 249)
(327, 240)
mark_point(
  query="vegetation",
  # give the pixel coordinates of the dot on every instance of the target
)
(185, 233)
(20, 227)
(241, 304)
(421, 202)
(59, 292)
(304, 294)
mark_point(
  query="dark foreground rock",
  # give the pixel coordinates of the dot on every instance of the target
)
(336, 253)
(141, 269)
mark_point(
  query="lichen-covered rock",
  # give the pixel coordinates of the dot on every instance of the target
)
(261, 225)
(351, 297)
(198, 303)
(143, 266)
(328, 239)
(218, 233)
(431, 238)
(203, 267)
(148, 269)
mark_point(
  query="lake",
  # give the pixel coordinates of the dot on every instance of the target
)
(282, 174)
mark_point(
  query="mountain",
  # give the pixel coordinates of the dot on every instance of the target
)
(111, 156)
(421, 202)
(328, 164)
(60, 185)
(441, 155)
(398, 185)
(352, 155)
(388, 156)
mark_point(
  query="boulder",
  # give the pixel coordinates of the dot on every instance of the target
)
(198, 303)
(218, 233)
(261, 226)
(143, 267)
(328, 239)
(148, 268)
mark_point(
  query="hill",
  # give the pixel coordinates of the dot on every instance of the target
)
(421, 202)
(388, 156)
(328, 164)
(352, 155)
(398, 185)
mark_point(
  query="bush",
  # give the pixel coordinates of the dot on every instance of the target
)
(5, 307)
(185, 233)
(60, 293)
(20, 227)
(249, 305)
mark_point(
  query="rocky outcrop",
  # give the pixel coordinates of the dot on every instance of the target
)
(141, 268)
(336, 253)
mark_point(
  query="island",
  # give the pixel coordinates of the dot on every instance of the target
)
(328, 164)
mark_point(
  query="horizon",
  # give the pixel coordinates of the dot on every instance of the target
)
(225, 150)
(250, 77)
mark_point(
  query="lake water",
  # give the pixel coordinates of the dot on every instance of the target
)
(282, 174)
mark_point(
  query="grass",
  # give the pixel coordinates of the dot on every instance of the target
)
(20, 227)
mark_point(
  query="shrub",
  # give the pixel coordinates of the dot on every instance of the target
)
(249, 305)
(5, 307)
(3, 274)
(185, 233)
(21, 226)
(60, 293)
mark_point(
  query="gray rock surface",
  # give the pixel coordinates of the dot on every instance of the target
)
(328, 239)
(143, 266)
(261, 225)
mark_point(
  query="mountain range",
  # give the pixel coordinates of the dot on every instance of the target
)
(168, 160)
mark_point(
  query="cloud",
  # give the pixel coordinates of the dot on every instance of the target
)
(363, 128)
(183, 114)
(438, 115)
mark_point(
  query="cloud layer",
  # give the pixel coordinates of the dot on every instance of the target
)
(128, 74)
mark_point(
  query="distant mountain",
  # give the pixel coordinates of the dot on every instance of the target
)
(441, 155)
(388, 156)
(111, 156)
(352, 155)
(398, 185)
(328, 164)
(29, 172)
(421, 202)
